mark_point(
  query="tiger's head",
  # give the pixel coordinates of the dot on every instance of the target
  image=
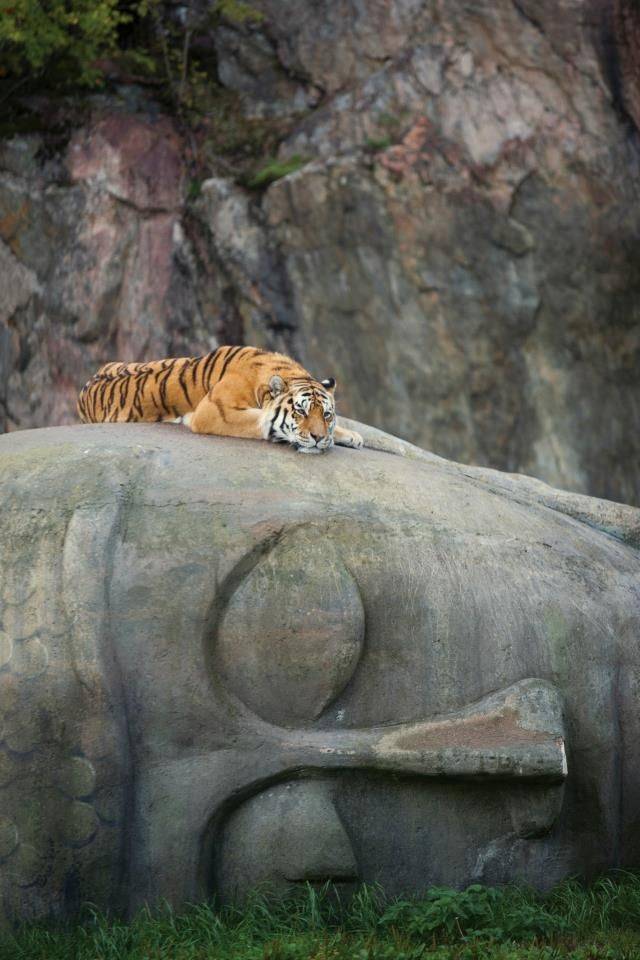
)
(301, 412)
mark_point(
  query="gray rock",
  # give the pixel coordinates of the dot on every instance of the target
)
(222, 664)
(461, 252)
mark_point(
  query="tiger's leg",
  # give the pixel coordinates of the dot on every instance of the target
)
(228, 411)
(347, 438)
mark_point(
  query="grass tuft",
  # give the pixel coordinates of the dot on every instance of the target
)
(274, 170)
(573, 922)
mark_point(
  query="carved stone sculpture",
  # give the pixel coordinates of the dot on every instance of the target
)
(222, 664)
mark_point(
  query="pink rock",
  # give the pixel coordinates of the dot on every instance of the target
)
(138, 161)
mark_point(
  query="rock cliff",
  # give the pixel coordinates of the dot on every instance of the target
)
(459, 247)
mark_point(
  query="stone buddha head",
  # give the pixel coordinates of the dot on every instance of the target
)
(224, 665)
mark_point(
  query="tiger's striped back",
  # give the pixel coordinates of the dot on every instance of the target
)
(169, 389)
(231, 392)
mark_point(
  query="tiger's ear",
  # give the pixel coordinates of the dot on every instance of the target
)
(329, 384)
(276, 385)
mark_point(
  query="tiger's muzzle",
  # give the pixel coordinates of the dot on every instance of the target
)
(314, 434)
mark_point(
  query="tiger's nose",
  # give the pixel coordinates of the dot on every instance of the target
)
(316, 436)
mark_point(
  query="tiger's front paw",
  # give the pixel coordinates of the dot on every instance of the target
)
(349, 438)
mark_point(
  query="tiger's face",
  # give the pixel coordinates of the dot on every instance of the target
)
(301, 413)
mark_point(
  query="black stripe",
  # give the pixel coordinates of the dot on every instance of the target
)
(228, 358)
(196, 366)
(112, 393)
(93, 396)
(208, 368)
(124, 390)
(152, 396)
(141, 383)
(272, 421)
(284, 415)
(162, 383)
(136, 404)
(101, 412)
(181, 381)
(99, 393)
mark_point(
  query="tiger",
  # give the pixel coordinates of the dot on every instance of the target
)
(233, 391)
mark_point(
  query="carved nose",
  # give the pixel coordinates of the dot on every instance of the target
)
(516, 733)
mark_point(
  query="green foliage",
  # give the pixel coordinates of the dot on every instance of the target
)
(235, 11)
(73, 34)
(60, 47)
(194, 189)
(478, 911)
(392, 121)
(377, 143)
(275, 169)
(66, 39)
(601, 922)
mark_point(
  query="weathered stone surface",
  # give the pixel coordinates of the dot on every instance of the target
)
(617, 519)
(222, 664)
(460, 251)
(139, 163)
(307, 51)
(289, 833)
(94, 263)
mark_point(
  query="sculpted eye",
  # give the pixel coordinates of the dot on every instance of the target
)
(292, 631)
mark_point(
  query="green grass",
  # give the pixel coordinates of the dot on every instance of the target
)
(600, 922)
(274, 170)
(374, 144)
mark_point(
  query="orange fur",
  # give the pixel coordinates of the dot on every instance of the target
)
(232, 391)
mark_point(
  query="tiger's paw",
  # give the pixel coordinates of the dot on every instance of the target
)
(349, 438)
